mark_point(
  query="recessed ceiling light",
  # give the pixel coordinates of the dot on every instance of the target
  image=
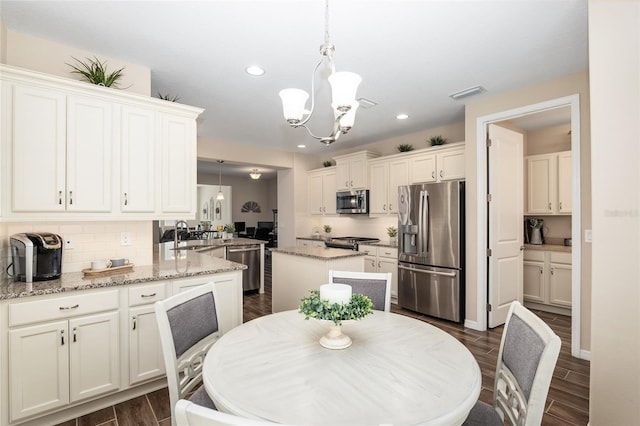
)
(302, 146)
(402, 116)
(254, 70)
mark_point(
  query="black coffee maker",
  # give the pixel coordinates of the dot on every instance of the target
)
(36, 256)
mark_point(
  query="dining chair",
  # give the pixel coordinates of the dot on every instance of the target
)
(189, 414)
(528, 353)
(188, 326)
(375, 285)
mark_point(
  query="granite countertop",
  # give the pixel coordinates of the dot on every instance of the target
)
(167, 264)
(205, 245)
(381, 243)
(312, 237)
(548, 247)
(321, 253)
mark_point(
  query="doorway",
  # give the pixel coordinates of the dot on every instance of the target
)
(572, 102)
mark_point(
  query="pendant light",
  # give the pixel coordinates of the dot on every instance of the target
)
(220, 195)
(255, 174)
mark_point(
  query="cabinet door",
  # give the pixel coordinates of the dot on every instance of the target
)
(565, 173)
(540, 192)
(38, 368)
(378, 178)
(137, 160)
(229, 304)
(533, 281)
(370, 264)
(343, 178)
(329, 193)
(145, 351)
(560, 284)
(39, 150)
(94, 355)
(390, 265)
(450, 165)
(358, 173)
(89, 154)
(422, 169)
(178, 140)
(398, 175)
(315, 194)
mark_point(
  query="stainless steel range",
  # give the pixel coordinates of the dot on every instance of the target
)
(350, 243)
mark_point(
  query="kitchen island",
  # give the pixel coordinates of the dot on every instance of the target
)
(296, 270)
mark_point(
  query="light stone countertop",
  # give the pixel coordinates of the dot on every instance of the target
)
(167, 264)
(320, 253)
(548, 247)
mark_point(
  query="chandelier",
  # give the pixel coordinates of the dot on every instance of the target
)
(255, 174)
(343, 94)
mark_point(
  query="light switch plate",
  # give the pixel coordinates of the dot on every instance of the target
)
(588, 235)
(125, 238)
(68, 244)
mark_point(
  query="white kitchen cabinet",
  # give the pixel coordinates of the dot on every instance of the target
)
(429, 166)
(178, 144)
(322, 191)
(382, 259)
(138, 160)
(549, 183)
(547, 280)
(61, 362)
(74, 145)
(352, 170)
(384, 177)
(145, 350)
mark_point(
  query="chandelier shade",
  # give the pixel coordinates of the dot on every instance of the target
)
(293, 103)
(344, 85)
(220, 195)
(255, 174)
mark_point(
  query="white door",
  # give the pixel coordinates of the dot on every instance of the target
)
(145, 351)
(178, 164)
(505, 221)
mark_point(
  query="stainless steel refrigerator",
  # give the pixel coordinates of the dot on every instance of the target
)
(431, 249)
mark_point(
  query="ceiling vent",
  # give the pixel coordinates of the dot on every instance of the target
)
(366, 103)
(471, 91)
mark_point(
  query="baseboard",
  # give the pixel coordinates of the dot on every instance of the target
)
(473, 325)
(585, 354)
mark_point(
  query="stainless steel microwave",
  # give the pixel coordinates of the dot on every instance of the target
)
(353, 202)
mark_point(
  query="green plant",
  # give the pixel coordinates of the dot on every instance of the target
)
(96, 72)
(405, 147)
(327, 228)
(327, 163)
(535, 223)
(168, 97)
(437, 140)
(230, 228)
(392, 231)
(358, 307)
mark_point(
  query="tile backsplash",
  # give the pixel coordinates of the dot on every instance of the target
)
(90, 241)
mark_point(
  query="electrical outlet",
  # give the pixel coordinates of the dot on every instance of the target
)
(125, 238)
(68, 244)
(588, 236)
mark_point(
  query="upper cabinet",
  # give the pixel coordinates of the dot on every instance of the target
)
(549, 183)
(384, 177)
(72, 150)
(352, 170)
(322, 191)
(437, 166)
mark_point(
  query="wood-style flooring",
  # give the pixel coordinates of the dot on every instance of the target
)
(567, 402)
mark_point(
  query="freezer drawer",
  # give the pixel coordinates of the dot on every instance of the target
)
(438, 292)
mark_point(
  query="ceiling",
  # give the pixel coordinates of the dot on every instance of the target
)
(411, 56)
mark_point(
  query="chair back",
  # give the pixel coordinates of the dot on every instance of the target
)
(528, 353)
(375, 285)
(188, 327)
(189, 414)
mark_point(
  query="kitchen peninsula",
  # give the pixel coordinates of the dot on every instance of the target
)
(78, 344)
(297, 270)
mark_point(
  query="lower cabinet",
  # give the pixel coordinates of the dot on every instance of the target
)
(547, 280)
(62, 362)
(382, 259)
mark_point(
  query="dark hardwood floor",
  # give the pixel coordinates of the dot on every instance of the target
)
(567, 402)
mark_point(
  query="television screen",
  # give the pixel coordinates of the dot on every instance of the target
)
(268, 225)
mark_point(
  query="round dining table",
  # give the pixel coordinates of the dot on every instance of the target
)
(398, 371)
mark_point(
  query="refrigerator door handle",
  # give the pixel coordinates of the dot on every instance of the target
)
(423, 271)
(423, 242)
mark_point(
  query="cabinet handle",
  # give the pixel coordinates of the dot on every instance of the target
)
(560, 205)
(59, 197)
(378, 264)
(75, 338)
(521, 248)
(61, 337)
(541, 271)
(384, 207)
(549, 206)
(351, 183)
(346, 183)
(70, 197)
(441, 174)
(66, 308)
(373, 263)
(126, 200)
(134, 322)
(433, 174)
(148, 295)
(551, 271)
(389, 206)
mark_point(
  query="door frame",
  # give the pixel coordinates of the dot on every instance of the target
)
(482, 122)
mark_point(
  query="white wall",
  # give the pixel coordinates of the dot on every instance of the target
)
(614, 63)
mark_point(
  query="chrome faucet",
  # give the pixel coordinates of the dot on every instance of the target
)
(176, 238)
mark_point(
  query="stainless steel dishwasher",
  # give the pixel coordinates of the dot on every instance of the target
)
(247, 255)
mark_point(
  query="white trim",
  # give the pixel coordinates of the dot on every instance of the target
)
(572, 101)
(585, 354)
(473, 325)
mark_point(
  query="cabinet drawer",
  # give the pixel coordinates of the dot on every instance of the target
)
(141, 295)
(559, 257)
(389, 252)
(370, 250)
(62, 307)
(535, 255)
